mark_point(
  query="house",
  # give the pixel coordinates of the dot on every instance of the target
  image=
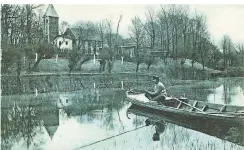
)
(127, 51)
(74, 38)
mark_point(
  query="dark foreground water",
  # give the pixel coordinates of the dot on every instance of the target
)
(97, 114)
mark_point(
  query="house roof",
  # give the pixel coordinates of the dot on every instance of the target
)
(77, 33)
(50, 12)
(63, 36)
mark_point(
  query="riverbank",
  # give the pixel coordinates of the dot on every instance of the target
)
(67, 88)
(173, 69)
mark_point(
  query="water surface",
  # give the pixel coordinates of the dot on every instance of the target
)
(99, 113)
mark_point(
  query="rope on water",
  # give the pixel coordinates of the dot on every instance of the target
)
(109, 138)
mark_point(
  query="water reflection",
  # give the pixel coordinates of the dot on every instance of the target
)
(64, 83)
(165, 123)
(90, 115)
(159, 127)
(21, 125)
(224, 94)
(222, 91)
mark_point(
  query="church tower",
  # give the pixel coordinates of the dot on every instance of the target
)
(51, 21)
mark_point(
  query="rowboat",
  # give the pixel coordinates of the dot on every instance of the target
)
(189, 109)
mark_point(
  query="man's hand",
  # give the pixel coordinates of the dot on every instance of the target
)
(147, 92)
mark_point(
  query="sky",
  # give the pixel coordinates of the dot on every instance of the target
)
(221, 19)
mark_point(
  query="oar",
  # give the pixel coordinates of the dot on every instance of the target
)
(137, 91)
(190, 105)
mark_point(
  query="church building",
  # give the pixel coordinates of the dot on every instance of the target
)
(51, 24)
(71, 39)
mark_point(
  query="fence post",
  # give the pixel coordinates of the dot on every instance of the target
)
(57, 58)
(122, 84)
(36, 92)
(24, 60)
(122, 60)
(94, 59)
(36, 57)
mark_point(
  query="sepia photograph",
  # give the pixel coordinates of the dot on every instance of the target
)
(122, 76)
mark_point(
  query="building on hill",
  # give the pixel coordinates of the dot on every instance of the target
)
(51, 23)
(74, 38)
(126, 51)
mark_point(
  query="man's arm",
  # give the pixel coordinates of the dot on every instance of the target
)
(155, 93)
(158, 90)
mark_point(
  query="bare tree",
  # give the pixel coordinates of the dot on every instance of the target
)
(241, 54)
(149, 26)
(101, 31)
(77, 57)
(117, 30)
(29, 15)
(164, 19)
(110, 44)
(137, 32)
(63, 26)
(203, 36)
(226, 45)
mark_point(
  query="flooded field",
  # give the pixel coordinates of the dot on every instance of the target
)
(96, 114)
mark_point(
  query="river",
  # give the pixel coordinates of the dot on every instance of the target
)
(96, 118)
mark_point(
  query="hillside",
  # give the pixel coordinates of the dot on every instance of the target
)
(173, 67)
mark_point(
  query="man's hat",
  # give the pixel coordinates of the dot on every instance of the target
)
(155, 78)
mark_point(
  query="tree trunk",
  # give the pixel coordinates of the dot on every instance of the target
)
(168, 41)
(202, 58)
(18, 65)
(184, 42)
(19, 85)
(137, 66)
(148, 67)
(102, 65)
(34, 67)
(173, 45)
(176, 43)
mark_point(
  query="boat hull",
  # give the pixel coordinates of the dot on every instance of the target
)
(230, 132)
(188, 114)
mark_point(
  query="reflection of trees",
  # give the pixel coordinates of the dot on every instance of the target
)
(17, 123)
(227, 98)
(113, 103)
(51, 83)
(109, 119)
(241, 84)
(120, 121)
(11, 85)
(96, 105)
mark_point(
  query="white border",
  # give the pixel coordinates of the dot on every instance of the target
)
(122, 2)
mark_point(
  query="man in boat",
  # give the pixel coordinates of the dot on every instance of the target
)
(159, 93)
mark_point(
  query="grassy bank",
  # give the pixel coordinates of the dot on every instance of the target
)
(91, 67)
(173, 68)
